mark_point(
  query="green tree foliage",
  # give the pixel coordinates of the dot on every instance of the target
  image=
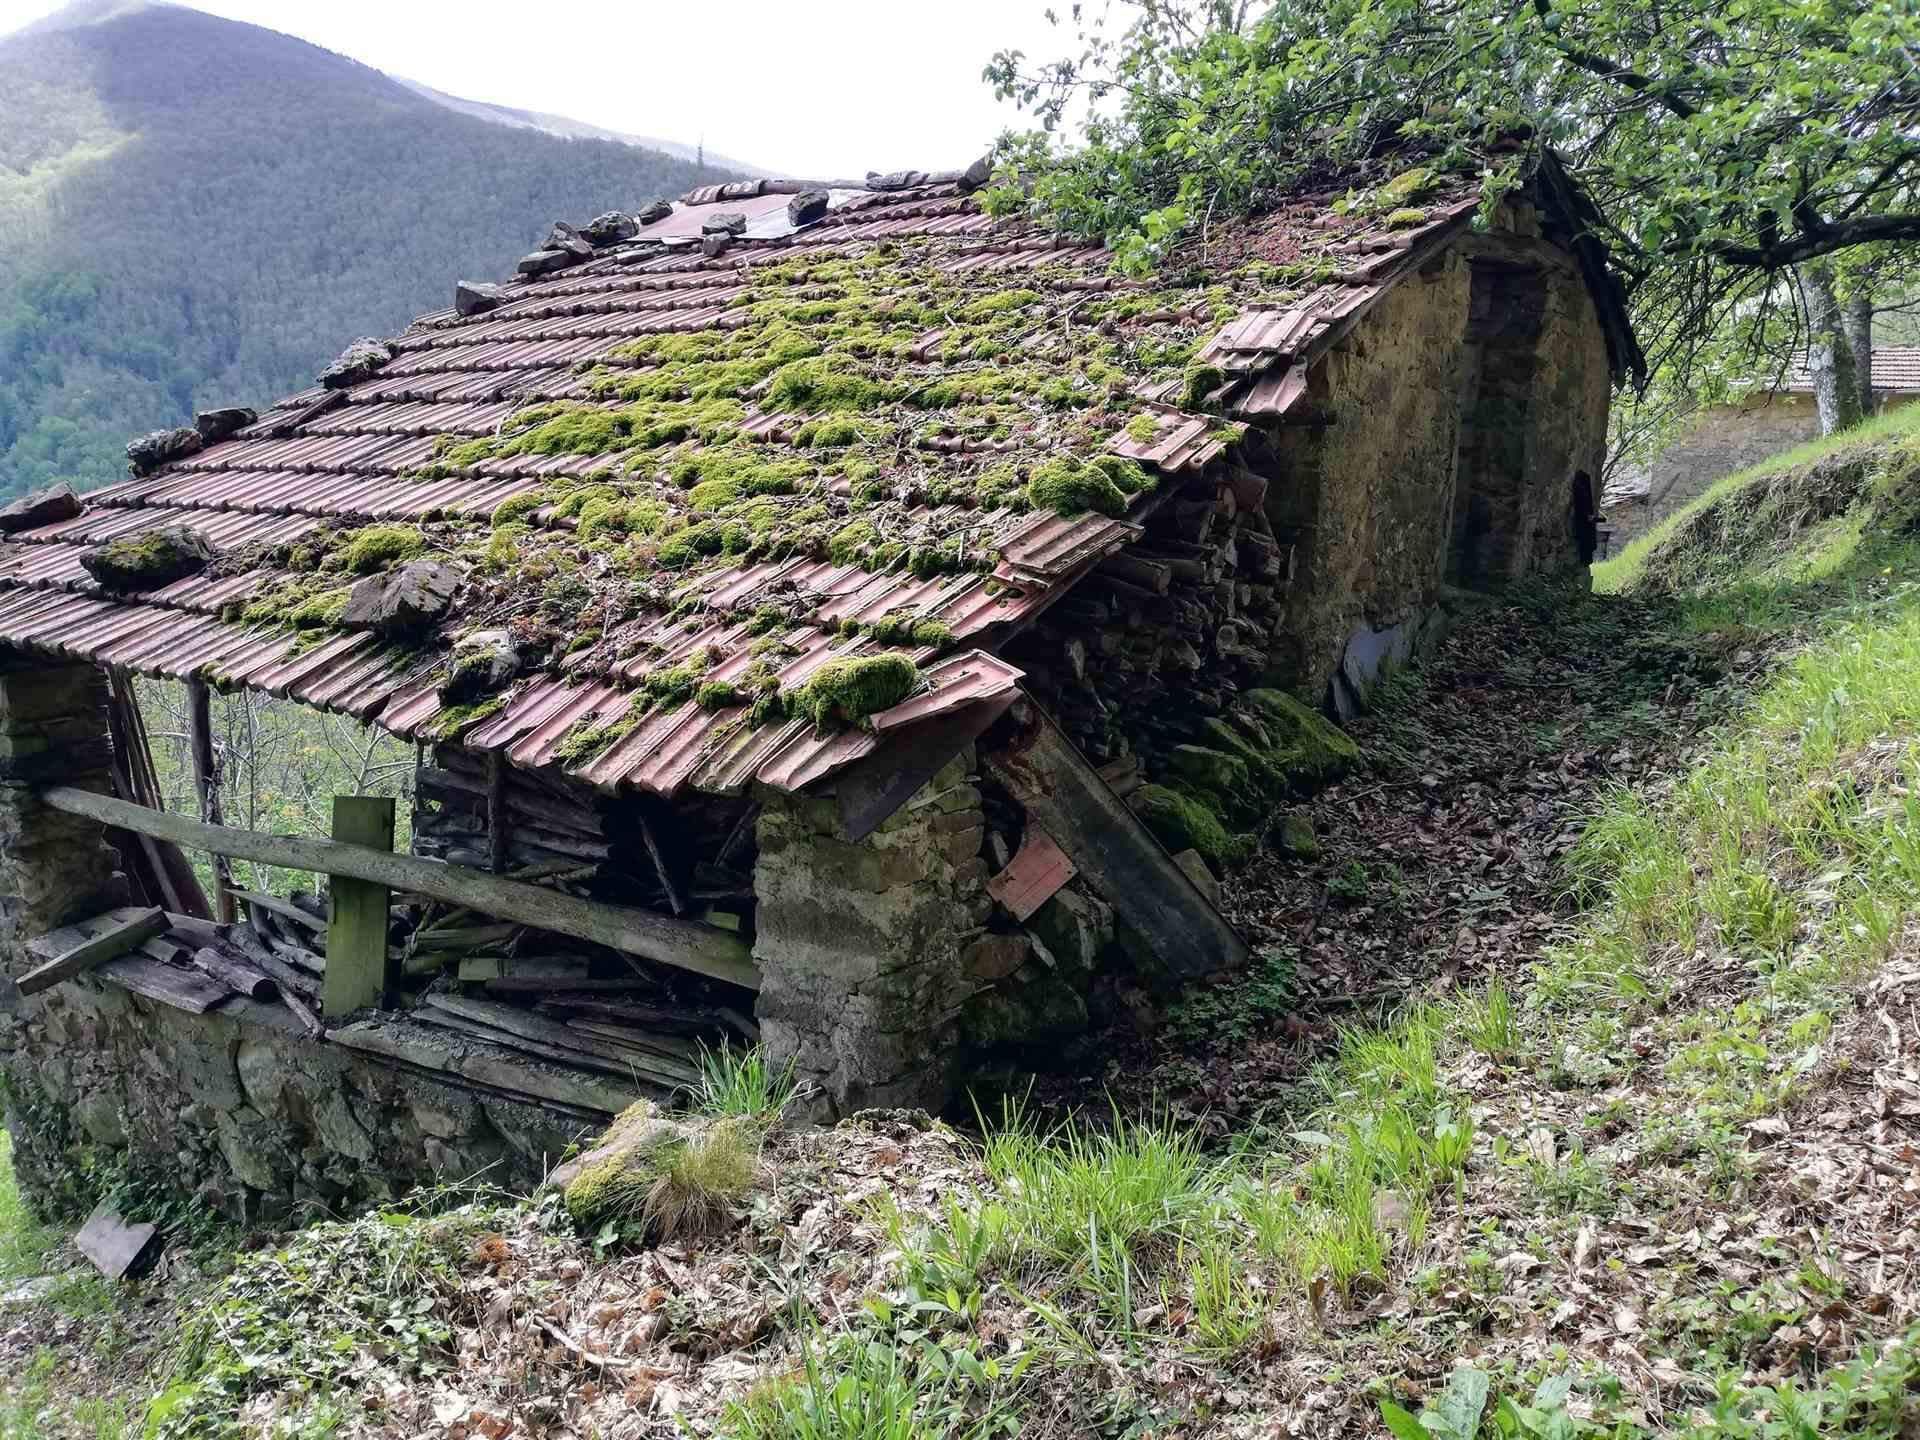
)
(197, 212)
(1725, 141)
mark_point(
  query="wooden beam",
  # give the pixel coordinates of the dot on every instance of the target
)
(497, 822)
(278, 906)
(1114, 851)
(206, 780)
(683, 943)
(357, 971)
(241, 979)
(109, 944)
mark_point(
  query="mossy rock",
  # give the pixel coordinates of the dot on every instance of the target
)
(1182, 821)
(1299, 740)
(1297, 837)
(673, 1176)
(146, 562)
(1225, 777)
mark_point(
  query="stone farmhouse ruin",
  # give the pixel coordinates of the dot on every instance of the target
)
(828, 616)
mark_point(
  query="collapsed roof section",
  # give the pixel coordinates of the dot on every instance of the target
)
(687, 461)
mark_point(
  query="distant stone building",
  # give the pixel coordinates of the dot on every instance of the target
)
(1730, 437)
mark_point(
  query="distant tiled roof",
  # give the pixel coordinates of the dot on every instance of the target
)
(1896, 370)
(977, 349)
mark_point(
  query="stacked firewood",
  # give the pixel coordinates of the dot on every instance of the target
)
(1168, 630)
(547, 820)
(693, 858)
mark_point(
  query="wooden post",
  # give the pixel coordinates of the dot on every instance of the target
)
(206, 779)
(357, 932)
(497, 824)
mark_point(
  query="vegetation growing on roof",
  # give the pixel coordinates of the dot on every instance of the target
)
(376, 547)
(852, 689)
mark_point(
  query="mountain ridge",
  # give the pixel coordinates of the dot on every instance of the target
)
(197, 211)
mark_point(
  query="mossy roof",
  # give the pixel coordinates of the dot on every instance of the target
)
(903, 427)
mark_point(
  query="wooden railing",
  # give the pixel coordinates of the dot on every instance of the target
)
(358, 925)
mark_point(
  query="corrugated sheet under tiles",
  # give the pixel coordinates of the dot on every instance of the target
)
(353, 460)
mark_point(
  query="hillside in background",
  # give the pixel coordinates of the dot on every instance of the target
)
(195, 211)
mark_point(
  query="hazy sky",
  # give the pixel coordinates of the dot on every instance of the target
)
(800, 87)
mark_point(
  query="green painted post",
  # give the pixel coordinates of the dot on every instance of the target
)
(357, 928)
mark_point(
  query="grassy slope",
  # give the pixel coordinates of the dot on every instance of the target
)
(1657, 1180)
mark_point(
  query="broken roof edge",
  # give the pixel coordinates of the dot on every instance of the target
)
(970, 178)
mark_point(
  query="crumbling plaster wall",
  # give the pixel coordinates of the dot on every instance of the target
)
(238, 1104)
(1366, 498)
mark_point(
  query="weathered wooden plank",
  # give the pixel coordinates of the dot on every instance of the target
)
(284, 908)
(541, 1030)
(183, 989)
(357, 969)
(206, 782)
(662, 938)
(114, 1246)
(652, 1069)
(536, 972)
(111, 943)
(413, 1048)
(1115, 852)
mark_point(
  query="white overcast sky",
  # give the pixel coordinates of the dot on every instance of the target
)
(799, 87)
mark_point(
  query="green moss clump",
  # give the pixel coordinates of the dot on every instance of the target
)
(847, 547)
(1182, 822)
(1406, 217)
(854, 688)
(718, 695)
(518, 507)
(824, 383)
(322, 610)
(1406, 187)
(1198, 383)
(1302, 742)
(1142, 428)
(450, 723)
(1067, 487)
(378, 546)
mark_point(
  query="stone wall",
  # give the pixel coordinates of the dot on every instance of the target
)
(1725, 438)
(1365, 499)
(237, 1105)
(865, 946)
(245, 1110)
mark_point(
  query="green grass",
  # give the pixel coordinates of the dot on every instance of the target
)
(743, 1083)
(1625, 571)
(25, 1243)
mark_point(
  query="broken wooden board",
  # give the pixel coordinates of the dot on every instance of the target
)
(1116, 853)
(551, 1034)
(104, 942)
(509, 973)
(114, 1247)
(415, 1047)
(1034, 875)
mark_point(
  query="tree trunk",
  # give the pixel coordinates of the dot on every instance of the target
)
(1857, 318)
(1836, 389)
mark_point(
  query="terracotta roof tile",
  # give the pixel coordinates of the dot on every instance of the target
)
(381, 454)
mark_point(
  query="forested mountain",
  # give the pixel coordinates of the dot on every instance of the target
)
(195, 211)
